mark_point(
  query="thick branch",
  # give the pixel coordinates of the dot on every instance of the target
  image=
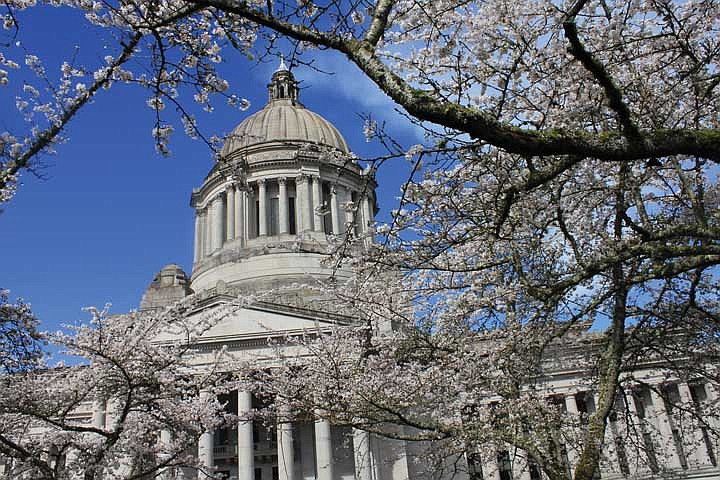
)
(608, 146)
(602, 76)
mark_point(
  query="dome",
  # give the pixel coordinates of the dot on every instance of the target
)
(279, 122)
(283, 119)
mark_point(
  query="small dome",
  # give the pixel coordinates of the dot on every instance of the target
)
(283, 119)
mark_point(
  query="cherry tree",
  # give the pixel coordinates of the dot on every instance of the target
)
(568, 179)
(129, 406)
(21, 341)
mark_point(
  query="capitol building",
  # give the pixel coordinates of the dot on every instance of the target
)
(284, 187)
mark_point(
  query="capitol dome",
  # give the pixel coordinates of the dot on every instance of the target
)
(283, 120)
(270, 208)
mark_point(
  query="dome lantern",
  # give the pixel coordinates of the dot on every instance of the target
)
(283, 85)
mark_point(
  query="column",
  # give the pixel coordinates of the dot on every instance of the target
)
(666, 439)
(283, 206)
(166, 473)
(323, 450)
(286, 457)
(246, 453)
(520, 465)
(262, 208)
(710, 409)
(201, 233)
(635, 422)
(205, 451)
(197, 254)
(361, 450)
(317, 204)
(498, 465)
(307, 201)
(488, 466)
(301, 203)
(218, 221)
(112, 412)
(691, 434)
(98, 414)
(208, 242)
(367, 206)
(230, 221)
(572, 409)
(335, 210)
(205, 455)
(609, 455)
(239, 198)
(350, 209)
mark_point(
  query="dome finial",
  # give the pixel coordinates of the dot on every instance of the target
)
(282, 67)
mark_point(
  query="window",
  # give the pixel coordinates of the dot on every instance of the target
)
(291, 214)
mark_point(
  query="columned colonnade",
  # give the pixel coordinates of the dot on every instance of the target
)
(285, 447)
(300, 204)
(670, 438)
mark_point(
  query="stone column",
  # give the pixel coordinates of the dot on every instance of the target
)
(208, 227)
(286, 453)
(205, 451)
(284, 226)
(246, 452)
(335, 210)
(350, 208)
(302, 207)
(98, 413)
(642, 467)
(608, 457)
(205, 455)
(166, 473)
(666, 440)
(218, 221)
(197, 253)
(572, 409)
(367, 206)
(230, 222)
(262, 208)
(496, 462)
(691, 434)
(239, 201)
(710, 407)
(361, 450)
(317, 204)
(323, 450)
(201, 233)
(520, 466)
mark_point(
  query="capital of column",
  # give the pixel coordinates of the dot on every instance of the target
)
(261, 181)
(302, 178)
(282, 180)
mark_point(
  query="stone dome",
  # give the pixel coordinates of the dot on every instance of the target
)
(283, 119)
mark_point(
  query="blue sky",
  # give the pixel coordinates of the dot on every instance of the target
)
(111, 211)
